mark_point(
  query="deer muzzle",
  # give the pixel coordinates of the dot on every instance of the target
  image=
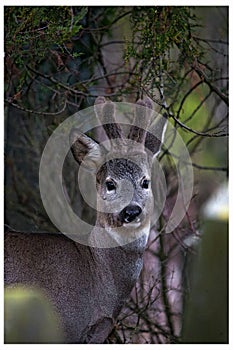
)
(131, 214)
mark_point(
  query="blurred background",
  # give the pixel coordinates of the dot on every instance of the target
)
(57, 61)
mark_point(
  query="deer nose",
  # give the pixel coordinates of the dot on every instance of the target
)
(131, 212)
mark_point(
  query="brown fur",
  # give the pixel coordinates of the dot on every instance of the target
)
(87, 285)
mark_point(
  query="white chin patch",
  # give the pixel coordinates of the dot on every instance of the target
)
(134, 224)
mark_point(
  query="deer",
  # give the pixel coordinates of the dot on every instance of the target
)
(88, 284)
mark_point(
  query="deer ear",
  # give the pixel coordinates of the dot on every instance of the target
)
(85, 150)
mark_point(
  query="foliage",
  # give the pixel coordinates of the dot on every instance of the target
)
(163, 42)
(31, 32)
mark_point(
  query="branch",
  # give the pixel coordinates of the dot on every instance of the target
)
(113, 42)
(35, 112)
(207, 42)
(166, 303)
(88, 30)
(55, 81)
(204, 78)
(186, 96)
(201, 167)
(195, 131)
(216, 41)
(199, 106)
(170, 114)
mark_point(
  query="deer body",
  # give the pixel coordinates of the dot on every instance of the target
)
(88, 285)
(76, 279)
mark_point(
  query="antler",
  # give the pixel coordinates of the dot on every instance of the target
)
(154, 138)
(142, 120)
(105, 111)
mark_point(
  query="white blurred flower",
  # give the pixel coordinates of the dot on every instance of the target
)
(217, 206)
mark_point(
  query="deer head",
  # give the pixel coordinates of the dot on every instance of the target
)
(123, 173)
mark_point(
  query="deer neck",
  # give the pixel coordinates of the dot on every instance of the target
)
(121, 264)
(119, 269)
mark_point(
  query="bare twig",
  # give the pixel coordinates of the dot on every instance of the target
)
(34, 111)
(204, 77)
(195, 131)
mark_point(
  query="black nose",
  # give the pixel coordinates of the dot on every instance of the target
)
(130, 213)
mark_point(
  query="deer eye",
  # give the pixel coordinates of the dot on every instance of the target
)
(145, 183)
(110, 185)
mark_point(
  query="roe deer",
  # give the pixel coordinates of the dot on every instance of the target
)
(87, 284)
